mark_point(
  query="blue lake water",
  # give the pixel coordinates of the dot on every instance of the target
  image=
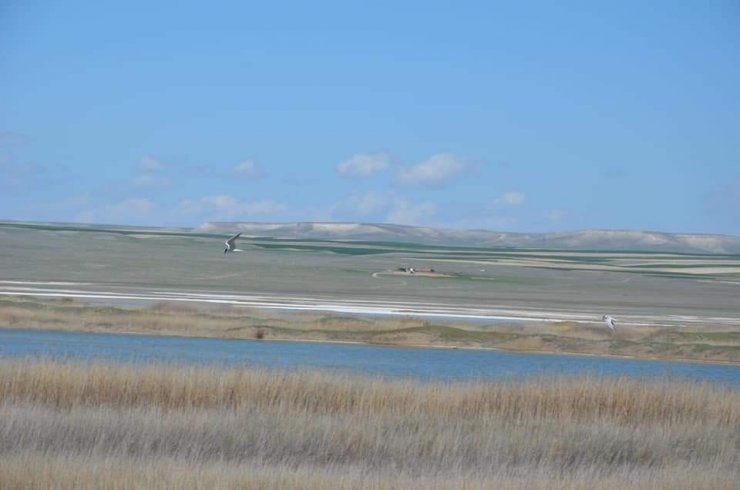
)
(438, 364)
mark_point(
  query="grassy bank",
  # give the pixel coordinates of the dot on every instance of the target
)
(71, 425)
(705, 343)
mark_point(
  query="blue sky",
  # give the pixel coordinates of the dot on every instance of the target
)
(516, 116)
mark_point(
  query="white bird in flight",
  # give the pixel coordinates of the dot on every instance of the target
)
(231, 244)
(609, 322)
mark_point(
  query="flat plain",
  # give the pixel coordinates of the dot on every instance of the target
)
(86, 424)
(667, 305)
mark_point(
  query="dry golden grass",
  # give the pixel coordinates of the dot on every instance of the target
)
(40, 471)
(80, 425)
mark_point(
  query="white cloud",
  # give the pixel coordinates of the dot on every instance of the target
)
(511, 198)
(150, 164)
(384, 207)
(406, 212)
(246, 169)
(228, 207)
(364, 165)
(437, 170)
(368, 204)
(150, 173)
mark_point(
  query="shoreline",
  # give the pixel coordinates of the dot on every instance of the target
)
(356, 306)
(377, 344)
(141, 311)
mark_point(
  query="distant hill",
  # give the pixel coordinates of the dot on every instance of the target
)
(616, 240)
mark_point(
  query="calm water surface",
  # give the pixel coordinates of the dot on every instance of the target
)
(442, 364)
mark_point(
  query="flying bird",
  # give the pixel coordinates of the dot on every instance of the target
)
(231, 244)
(609, 322)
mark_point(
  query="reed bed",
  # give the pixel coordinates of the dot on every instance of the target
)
(66, 424)
(29, 471)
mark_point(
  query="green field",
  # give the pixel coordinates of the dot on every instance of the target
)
(620, 283)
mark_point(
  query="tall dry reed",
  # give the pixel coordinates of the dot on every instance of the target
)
(358, 432)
